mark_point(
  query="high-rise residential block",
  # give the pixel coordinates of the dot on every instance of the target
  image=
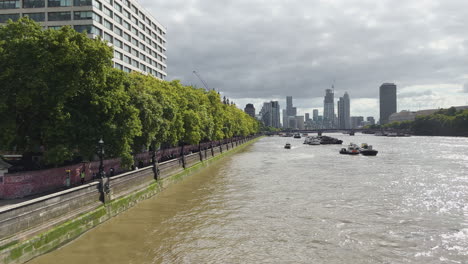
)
(315, 115)
(329, 108)
(270, 114)
(250, 110)
(344, 112)
(138, 39)
(388, 101)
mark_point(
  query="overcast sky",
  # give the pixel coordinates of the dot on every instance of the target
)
(259, 50)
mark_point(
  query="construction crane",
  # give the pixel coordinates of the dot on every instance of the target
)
(199, 77)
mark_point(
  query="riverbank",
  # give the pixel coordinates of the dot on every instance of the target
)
(41, 225)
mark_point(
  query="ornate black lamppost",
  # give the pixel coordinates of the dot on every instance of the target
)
(154, 160)
(101, 156)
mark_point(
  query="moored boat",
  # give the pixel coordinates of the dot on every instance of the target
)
(367, 150)
(352, 149)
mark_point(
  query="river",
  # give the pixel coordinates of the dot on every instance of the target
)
(266, 204)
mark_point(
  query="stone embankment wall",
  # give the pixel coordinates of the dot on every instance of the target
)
(27, 183)
(38, 226)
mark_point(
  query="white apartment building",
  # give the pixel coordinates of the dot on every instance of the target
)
(138, 39)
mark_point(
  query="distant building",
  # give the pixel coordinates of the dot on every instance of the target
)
(291, 111)
(300, 122)
(250, 110)
(388, 101)
(315, 115)
(292, 122)
(329, 108)
(356, 121)
(344, 112)
(371, 120)
(285, 119)
(411, 115)
(270, 114)
(307, 117)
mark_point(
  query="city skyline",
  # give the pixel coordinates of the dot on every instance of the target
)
(428, 67)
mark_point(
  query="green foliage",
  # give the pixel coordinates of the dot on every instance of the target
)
(445, 122)
(60, 94)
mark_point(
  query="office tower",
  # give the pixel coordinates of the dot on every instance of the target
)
(250, 110)
(270, 114)
(307, 117)
(300, 122)
(315, 115)
(371, 120)
(138, 39)
(356, 121)
(344, 112)
(388, 101)
(329, 108)
(290, 110)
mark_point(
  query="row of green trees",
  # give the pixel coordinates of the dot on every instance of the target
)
(445, 122)
(59, 95)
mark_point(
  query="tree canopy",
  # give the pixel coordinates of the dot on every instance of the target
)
(60, 95)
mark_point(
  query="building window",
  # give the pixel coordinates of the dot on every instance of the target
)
(119, 66)
(82, 2)
(118, 7)
(118, 31)
(109, 1)
(57, 3)
(59, 16)
(136, 64)
(38, 17)
(127, 60)
(126, 25)
(135, 42)
(4, 17)
(33, 3)
(118, 55)
(88, 29)
(135, 52)
(118, 43)
(126, 14)
(126, 37)
(107, 11)
(82, 15)
(10, 4)
(118, 19)
(108, 24)
(134, 9)
(134, 20)
(55, 27)
(97, 4)
(108, 37)
(97, 18)
(127, 48)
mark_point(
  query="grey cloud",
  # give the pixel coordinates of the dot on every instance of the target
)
(465, 88)
(414, 94)
(270, 49)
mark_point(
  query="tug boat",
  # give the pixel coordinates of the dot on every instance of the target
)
(297, 135)
(287, 146)
(352, 149)
(367, 150)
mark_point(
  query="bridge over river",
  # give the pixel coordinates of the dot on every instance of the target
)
(309, 204)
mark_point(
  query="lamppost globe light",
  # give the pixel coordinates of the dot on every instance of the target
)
(101, 142)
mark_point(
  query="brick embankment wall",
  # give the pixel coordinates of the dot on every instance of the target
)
(38, 226)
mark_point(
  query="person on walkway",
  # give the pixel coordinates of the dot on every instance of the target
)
(82, 176)
(112, 172)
